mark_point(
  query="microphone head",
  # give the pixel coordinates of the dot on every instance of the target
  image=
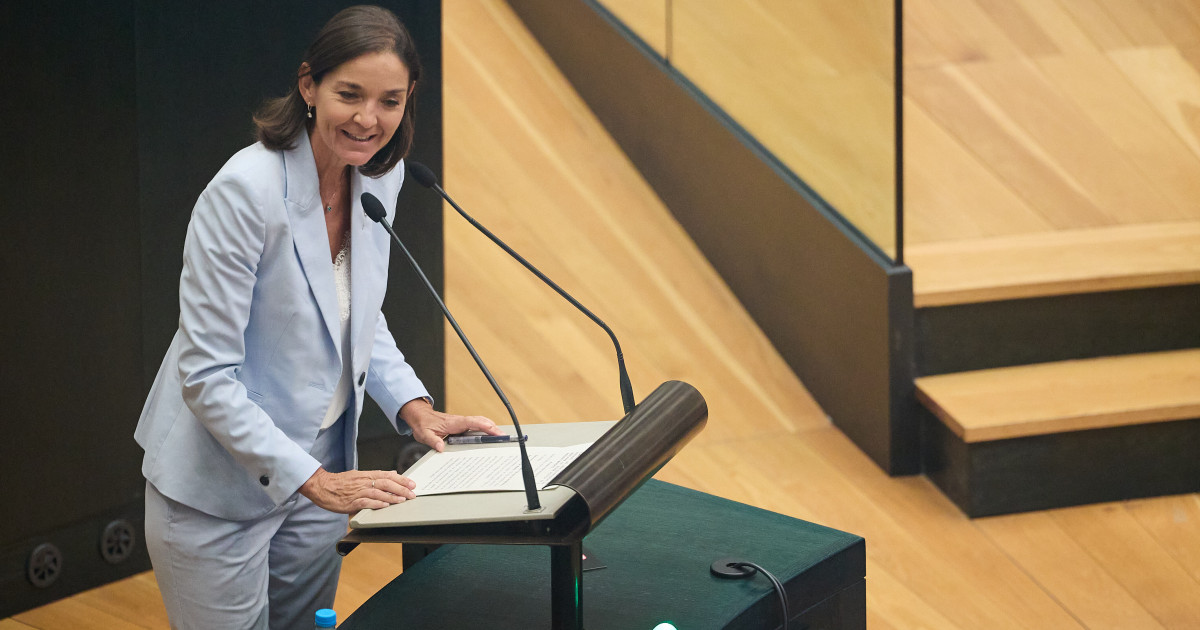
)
(422, 174)
(373, 207)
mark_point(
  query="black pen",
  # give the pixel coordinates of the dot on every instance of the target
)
(483, 439)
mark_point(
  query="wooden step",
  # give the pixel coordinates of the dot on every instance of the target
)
(1051, 398)
(1055, 263)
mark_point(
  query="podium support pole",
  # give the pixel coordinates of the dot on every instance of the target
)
(566, 586)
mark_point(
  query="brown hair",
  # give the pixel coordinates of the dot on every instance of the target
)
(353, 32)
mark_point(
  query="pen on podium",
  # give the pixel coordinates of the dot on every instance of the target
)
(484, 439)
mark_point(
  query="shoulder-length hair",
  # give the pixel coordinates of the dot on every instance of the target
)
(353, 32)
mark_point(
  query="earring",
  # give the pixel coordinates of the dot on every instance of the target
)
(310, 111)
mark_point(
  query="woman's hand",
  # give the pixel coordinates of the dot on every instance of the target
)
(430, 427)
(354, 490)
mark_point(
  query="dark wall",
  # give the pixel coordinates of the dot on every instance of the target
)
(116, 116)
(72, 271)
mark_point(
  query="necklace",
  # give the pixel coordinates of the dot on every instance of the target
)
(336, 196)
(329, 204)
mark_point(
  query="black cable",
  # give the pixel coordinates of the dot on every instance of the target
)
(722, 568)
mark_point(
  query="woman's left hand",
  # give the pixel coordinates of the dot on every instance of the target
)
(430, 427)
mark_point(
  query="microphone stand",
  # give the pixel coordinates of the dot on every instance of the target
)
(374, 209)
(426, 178)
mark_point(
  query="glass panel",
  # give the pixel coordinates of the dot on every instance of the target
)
(813, 82)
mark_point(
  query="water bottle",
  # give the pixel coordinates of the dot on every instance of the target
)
(326, 618)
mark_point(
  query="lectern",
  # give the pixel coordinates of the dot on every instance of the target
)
(624, 456)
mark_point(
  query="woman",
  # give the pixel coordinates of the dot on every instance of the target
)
(249, 429)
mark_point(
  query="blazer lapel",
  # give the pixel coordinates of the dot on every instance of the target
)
(311, 238)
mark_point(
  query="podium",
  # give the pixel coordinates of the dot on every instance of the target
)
(624, 455)
(656, 549)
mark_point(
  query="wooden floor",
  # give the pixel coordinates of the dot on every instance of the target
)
(1037, 129)
(527, 158)
(1031, 116)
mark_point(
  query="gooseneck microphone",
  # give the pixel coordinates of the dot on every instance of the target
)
(426, 178)
(374, 209)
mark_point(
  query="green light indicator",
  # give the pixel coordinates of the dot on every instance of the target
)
(666, 625)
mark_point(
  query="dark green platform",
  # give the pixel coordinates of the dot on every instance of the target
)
(657, 547)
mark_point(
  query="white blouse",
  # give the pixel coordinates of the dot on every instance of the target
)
(341, 278)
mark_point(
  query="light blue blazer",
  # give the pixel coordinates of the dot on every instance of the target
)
(242, 391)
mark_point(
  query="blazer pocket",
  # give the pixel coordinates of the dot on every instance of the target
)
(253, 395)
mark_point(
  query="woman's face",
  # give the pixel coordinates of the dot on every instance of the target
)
(357, 108)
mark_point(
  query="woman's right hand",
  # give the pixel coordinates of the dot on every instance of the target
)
(354, 490)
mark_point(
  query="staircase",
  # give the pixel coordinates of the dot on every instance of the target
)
(1060, 368)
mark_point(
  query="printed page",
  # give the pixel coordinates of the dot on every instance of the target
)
(489, 469)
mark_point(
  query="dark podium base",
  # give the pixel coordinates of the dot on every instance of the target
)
(657, 548)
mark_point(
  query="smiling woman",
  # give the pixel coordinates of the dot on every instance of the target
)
(353, 114)
(353, 35)
(356, 108)
(250, 428)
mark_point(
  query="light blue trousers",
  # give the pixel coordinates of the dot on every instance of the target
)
(272, 572)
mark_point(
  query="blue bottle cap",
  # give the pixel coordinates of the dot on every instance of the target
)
(326, 618)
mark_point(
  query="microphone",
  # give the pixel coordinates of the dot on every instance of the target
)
(374, 209)
(426, 178)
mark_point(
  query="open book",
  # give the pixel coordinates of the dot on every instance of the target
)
(467, 500)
